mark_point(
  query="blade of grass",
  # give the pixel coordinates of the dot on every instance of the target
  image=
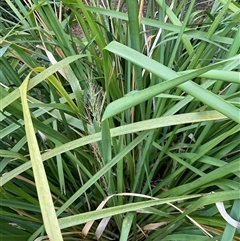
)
(126, 226)
(101, 172)
(130, 128)
(211, 31)
(211, 198)
(98, 214)
(160, 24)
(180, 35)
(43, 190)
(229, 230)
(45, 73)
(134, 30)
(177, 22)
(160, 70)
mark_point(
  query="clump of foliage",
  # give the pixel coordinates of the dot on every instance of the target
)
(126, 131)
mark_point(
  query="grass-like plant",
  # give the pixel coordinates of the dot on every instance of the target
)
(128, 130)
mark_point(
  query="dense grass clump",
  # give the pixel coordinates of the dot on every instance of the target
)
(120, 120)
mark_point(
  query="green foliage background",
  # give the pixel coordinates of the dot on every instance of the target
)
(128, 130)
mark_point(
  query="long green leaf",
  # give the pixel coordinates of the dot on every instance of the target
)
(43, 190)
(131, 128)
(94, 215)
(38, 79)
(173, 80)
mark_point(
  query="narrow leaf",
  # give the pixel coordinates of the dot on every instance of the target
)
(43, 190)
